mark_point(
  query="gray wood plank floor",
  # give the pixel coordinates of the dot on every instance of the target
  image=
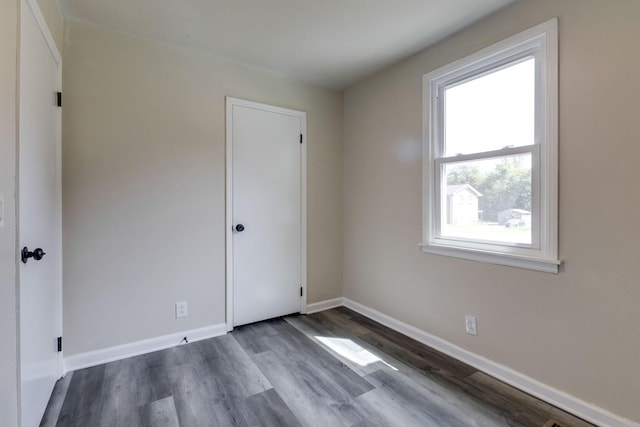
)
(334, 368)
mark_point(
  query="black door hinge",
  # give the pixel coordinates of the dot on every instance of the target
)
(59, 344)
(300, 290)
(59, 99)
(300, 138)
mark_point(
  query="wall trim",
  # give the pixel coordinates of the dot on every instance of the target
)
(560, 399)
(110, 354)
(324, 305)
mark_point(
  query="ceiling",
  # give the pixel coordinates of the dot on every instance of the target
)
(332, 43)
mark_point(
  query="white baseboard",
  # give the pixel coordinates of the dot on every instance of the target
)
(110, 354)
(560, 399)
(324, 305)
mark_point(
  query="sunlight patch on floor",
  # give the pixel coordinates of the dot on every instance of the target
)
(351, 351)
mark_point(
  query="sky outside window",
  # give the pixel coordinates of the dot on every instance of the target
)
(491, 112)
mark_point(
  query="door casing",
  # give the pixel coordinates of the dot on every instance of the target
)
(230, 103)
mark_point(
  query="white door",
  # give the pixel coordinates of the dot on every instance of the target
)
(39, 217)
(265, 219)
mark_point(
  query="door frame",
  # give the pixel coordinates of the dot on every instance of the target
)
(34, 9)
(230, 103)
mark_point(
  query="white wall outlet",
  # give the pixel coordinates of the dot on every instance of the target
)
(471, 325)
(181, 309)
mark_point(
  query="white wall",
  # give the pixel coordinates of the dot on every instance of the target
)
(143, 184)
(576, 331)
(8, 316)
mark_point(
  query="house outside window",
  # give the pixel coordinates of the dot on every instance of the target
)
(490, 154)
(462, 205)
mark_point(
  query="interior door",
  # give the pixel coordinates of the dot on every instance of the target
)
(39, 218)
(265, 220)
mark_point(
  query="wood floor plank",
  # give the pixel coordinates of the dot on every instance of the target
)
(83, 400)
(530, 410)
(415, 353)
(253, 337)
(301, 351)
(195, 392)
(160, 413)
(338, 320)
(231, 367)
(271, 411)
(426, 404)
(312, 400)
(210, 390)
(154, 376)
(390, 412)
(296, 363)
(233, 412)
(323, 338)
(121, 394)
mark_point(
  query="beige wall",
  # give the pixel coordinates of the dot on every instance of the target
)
(144, 182)
(576, 331)
(8, 317)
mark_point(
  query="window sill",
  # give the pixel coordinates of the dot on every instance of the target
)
(518, 261)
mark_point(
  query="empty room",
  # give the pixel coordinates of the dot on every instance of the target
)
(443, 190)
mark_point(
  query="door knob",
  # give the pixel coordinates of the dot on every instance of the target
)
(239, 228)
(36, 254)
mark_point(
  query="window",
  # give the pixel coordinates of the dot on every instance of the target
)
(490, 154)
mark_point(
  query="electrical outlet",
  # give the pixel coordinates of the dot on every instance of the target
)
(471, 325)
(181, 309)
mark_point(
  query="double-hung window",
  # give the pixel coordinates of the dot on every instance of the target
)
(490, 154)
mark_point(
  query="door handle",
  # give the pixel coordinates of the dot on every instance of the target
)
(239, 228)
(37, 254)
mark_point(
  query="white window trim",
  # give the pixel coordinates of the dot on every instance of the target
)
(542, 255)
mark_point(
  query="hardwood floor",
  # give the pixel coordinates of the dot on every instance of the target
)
(334, 368)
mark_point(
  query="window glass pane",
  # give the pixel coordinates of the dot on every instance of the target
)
(492, 111)
(488, 200)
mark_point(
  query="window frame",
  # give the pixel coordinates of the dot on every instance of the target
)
(539, 42)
